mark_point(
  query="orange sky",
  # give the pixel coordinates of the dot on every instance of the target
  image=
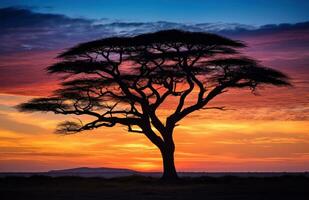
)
(269, 132)
(259, 133)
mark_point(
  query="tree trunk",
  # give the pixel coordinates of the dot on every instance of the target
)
(169, 170)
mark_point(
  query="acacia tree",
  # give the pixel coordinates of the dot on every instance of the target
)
(125, 81)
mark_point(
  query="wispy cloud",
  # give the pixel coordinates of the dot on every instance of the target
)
(11, 125)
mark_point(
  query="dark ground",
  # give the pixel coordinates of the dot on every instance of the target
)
(138, 187)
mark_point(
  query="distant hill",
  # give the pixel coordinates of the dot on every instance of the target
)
(93, 170)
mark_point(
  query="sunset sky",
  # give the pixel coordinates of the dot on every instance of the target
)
(264, 132)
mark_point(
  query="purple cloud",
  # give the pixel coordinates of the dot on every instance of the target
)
(25, 30)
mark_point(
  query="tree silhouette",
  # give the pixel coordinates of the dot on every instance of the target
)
(125, 80)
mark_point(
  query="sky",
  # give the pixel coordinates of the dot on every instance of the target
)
(254, 12)
(265, 132)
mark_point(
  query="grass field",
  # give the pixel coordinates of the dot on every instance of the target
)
(139, 187)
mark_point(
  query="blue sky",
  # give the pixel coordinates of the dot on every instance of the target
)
(253, 12)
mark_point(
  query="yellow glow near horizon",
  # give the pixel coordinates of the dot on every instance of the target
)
(207, 141)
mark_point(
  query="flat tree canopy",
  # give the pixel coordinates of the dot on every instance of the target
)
(125, 80)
